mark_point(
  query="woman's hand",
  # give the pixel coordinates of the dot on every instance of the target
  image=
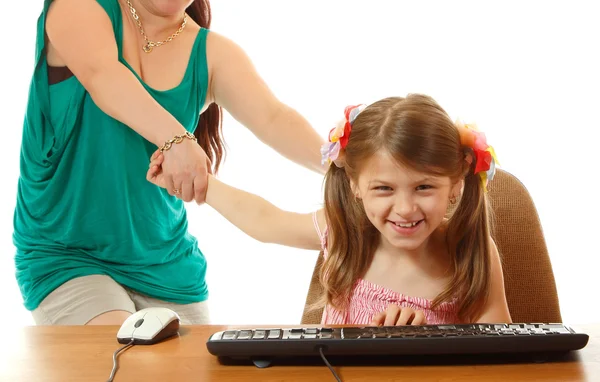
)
(396, 316)
(182, 171)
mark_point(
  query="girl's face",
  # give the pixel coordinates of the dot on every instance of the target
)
(404, 205)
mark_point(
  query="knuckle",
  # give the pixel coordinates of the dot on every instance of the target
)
(199, 186)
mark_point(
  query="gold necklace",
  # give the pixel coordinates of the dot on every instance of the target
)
(151, 44)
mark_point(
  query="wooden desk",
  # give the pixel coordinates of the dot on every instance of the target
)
(64, 354)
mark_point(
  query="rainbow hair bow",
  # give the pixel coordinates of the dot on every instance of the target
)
(339, 135)
(485, 156)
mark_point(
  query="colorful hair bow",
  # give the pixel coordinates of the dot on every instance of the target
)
(485, 156)
(339, 135)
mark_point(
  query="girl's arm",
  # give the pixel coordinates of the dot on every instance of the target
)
(496, 309)
(261, 219)
(252, 214)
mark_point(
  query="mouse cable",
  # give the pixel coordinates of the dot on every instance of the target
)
(337, 378)
(115, 362)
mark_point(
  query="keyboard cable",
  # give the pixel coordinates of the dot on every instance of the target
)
(115, 362)
(337, 378)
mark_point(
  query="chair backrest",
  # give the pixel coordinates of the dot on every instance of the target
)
(528, 276)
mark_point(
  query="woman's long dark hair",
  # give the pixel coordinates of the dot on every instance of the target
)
(209, 130)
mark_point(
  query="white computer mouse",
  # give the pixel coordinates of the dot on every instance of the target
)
(149, 326)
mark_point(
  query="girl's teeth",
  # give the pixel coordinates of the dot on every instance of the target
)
(408, 225)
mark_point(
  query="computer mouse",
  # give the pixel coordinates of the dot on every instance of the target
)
(149, 326)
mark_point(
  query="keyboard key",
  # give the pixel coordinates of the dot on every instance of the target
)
(259, 335)
(560, 330)
(326, 333)
(244, 335)
(352, 332)
(274, 334)
(311, 331)
(310, 336)
(229, 335)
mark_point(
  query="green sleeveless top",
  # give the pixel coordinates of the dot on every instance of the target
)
(84, 206)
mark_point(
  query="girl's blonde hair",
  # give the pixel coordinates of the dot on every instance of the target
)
(419, 134)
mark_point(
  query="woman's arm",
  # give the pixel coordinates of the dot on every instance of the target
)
(81, 33)
(235, 85)
(496, 309)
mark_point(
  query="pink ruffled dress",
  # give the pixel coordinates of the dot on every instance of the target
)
(368, 299)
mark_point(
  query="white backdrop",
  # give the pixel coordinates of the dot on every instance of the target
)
(526, 72)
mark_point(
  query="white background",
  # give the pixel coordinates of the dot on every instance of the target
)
(526, 71)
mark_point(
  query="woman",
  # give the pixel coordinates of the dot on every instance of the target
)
(115, 80)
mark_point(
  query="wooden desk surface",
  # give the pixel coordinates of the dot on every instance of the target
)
(84, 353)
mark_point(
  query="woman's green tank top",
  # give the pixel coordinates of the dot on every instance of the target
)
(84, 206)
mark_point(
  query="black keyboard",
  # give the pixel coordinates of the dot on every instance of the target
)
(396, 340)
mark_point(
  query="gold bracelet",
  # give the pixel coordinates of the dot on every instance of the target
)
(177, 139)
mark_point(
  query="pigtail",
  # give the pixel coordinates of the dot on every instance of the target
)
(469, 247)
(350, 242)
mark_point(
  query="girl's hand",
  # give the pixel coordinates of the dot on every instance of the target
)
(154, 174)
(185, 170)
(396, 316)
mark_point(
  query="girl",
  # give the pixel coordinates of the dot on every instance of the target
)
(392, 257)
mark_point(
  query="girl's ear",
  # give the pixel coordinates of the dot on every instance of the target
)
(355, 189)
(457, 189)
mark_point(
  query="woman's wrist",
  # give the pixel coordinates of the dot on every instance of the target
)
(177, 138)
